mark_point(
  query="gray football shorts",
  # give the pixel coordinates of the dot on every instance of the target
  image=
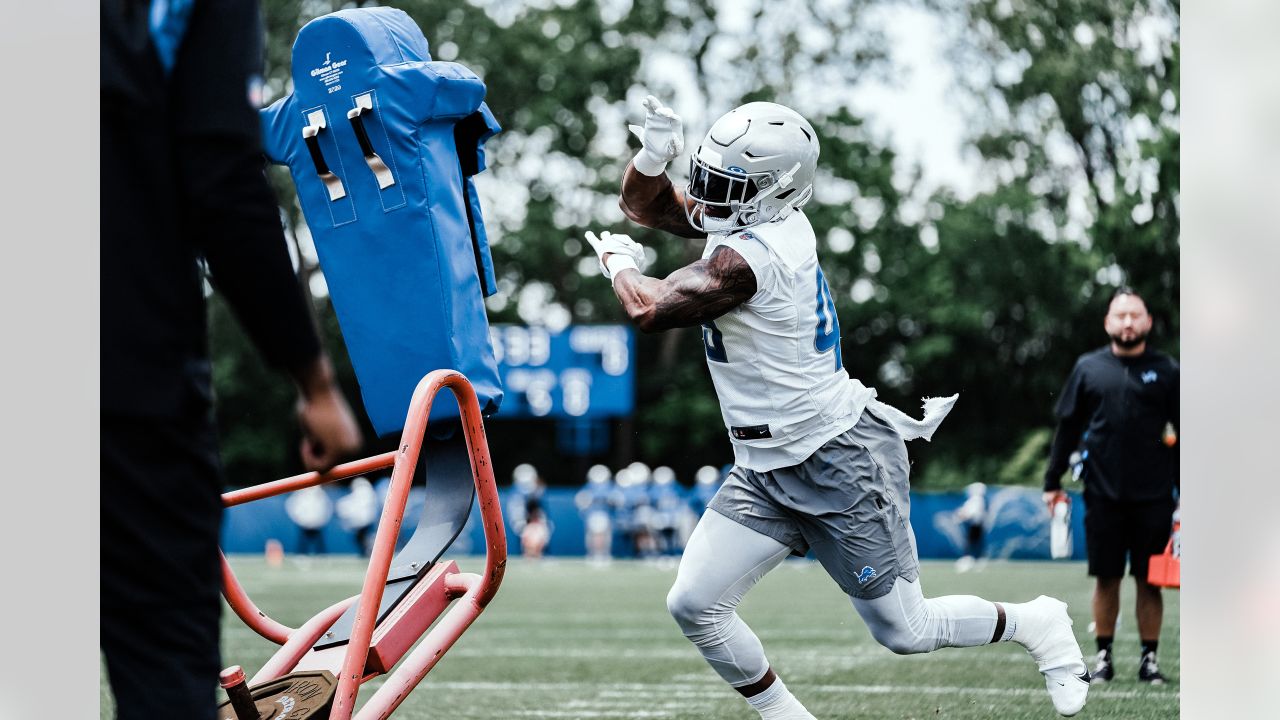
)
(848, 503)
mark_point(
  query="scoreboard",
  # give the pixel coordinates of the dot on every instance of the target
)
(580, 372)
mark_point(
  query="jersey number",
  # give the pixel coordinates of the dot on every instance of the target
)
(714, 342)
(827, 334)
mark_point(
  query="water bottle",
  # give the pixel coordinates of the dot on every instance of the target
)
(1060, 529)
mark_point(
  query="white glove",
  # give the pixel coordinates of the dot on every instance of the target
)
(662, 138)
(623, 252)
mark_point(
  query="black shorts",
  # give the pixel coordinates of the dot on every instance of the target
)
(1114, 530)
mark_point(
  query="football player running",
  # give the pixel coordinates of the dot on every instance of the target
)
(819, 464)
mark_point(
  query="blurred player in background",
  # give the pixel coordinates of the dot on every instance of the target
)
(818, 463)
(668, 504)
(358, 513)
(706, 481)
(525, 512)
(310, 509)
(183, 187)
(633, 483)
(973, 518)
(596, 502)
(1115, 410)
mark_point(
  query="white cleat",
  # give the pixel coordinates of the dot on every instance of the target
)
(1044, 629)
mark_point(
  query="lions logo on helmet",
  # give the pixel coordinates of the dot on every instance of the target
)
(755, 165)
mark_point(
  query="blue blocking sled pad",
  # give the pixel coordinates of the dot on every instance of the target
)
(383, 143)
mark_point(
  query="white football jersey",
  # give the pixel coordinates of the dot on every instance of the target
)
(775, 359)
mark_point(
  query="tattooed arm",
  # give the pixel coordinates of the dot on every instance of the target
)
(692, 295)
(655, 203)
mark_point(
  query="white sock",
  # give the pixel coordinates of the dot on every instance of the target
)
(1012, 615)
(777, 703)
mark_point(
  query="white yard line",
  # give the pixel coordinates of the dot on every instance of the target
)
(715, 691)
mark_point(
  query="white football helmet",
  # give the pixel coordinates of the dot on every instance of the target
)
(640, 473)
(707, 475)
(663, 475)
(599, 475)
(755, 165)
(525, 477)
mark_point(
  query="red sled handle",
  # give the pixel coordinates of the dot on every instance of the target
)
(475, 591)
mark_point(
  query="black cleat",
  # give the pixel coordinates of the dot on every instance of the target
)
(1103, 670)
(1148, 671)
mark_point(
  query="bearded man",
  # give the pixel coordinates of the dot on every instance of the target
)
(1117, 410)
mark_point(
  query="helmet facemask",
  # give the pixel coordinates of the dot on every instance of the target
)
(728, 200)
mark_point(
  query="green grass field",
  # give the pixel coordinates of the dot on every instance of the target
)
(567, 640)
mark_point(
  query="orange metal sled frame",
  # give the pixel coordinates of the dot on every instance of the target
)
(472, 592)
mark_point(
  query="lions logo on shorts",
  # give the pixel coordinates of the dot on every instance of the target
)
(867, 574)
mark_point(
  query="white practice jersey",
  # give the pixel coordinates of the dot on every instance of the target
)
(775, 359)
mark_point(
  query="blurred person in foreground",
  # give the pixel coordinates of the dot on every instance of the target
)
(183, 186)
(819, 464)
(1116, 409)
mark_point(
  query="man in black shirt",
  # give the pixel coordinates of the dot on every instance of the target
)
(1114, 410)
(183, 184)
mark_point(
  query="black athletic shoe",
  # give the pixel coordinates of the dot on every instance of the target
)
(1148, 671)
(1102, 669)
